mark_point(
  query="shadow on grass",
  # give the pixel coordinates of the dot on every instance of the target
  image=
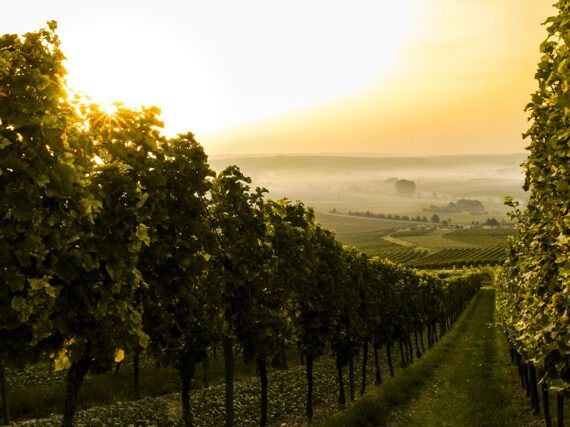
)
(374, 409)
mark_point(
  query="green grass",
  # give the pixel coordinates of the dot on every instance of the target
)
(464, 381)
(345, 224)
(468, 390)
(413, 231)
(482, 237)
(374, 409)
(433, 241)
(366, 234)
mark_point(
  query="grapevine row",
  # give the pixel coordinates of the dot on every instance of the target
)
(115, 239)
(446, 258)
(533, 296)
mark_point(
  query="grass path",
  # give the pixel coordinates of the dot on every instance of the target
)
(473, 386)
(466, 380)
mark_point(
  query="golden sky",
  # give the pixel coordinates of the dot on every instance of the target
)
(315, 76)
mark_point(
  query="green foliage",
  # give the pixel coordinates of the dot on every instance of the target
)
(534, 296)
(178, 300)
(40, 191)
(115, 239)
(251, 300)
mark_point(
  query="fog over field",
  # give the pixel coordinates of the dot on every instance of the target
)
(360, 183)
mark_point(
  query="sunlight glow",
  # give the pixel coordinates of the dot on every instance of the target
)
(236, 67)
(110, 109)
(407, 76)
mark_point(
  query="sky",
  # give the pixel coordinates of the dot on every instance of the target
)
(405, 77)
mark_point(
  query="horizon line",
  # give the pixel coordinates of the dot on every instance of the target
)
(363, 154)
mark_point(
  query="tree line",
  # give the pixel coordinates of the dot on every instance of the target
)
(533, 297)
(116, 240)
(395, 217)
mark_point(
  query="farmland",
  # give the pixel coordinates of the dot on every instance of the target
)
(144, 283)
(335, 185)
(419, 245)
(354, 183)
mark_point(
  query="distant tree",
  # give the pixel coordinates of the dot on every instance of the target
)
(474, 207)
(471, 206)
(492, 222)
(435, 218)
(405, 187)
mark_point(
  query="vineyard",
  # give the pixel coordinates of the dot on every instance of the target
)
(462, 257)
(429, 248)
(482, 236)
(426, 247)
(140, 287)
(534, 289)
(446, 258)
(117, 243)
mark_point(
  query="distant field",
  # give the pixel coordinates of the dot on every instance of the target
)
(432, 241)
(482, 237)
(344, 224)
(325, 198)
(366, 234)
(471, 256)
(374, 244)
(445, 258)
(362, 183)
(465, 238)
(349, 183)
(423, 247)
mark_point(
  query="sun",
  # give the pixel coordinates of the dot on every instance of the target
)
(207, 78)
(110, 109)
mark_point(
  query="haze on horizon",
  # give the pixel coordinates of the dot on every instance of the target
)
(413, 77)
